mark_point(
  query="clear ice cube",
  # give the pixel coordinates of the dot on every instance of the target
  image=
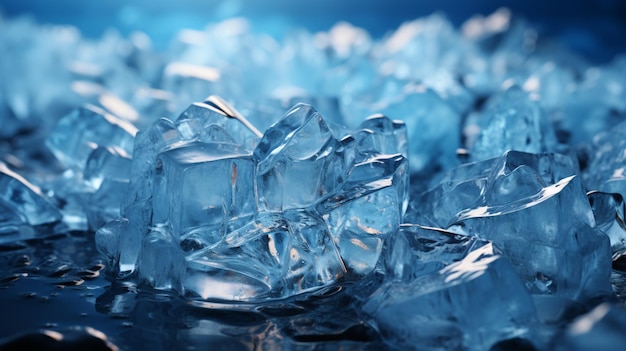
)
(273, 256)
(297, 161)
(533, 207)
(445, 308)
(23, 204)
(86, 128)
(202, 184)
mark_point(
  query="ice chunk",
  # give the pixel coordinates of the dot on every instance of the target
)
(273, 256)
(608, 210)
(200, 121)
(511, 121)
(418, 250)
(119, 241)
(309, 209)
(606, 171)
(535, 209)
(432, 127)
(387, 136)
(161, 261)
(78, 133)
(368, 209)
(297, 161)
(107, 174)
(601, 329)
(446, 308)
(23, 204)
(203, 184)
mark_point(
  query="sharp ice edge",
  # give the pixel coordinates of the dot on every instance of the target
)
(316, 201)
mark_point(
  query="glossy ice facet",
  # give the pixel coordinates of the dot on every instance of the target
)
(297, 161)
(535, 209)
(440, 303)
(86, 128)
(23, 204)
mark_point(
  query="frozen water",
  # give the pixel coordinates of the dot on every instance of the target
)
(600, 329)
(297, 161)
(202, 184)
(606, 161)
(215, 206)
(510, 121)
(608, 210)
(23, 206)
(107, 176)
(272, 256)
(534, 208)
(88, 127)
(435, 298)
(300, 211)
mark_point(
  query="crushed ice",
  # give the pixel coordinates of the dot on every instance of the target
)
(467, 185)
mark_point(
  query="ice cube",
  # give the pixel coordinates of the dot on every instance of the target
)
(86, 128)
(273, 256)
(446, 308)
(23, 204)
(107, 174)
(367, 210)
(511, 121)
(297, 161)
(535, 209)
(608, 210)
(203, 184)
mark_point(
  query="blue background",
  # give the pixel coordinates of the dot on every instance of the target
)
(593, 28)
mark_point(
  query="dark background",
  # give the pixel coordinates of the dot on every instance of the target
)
(594, 28)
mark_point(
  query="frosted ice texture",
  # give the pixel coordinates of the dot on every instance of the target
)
(247, 219)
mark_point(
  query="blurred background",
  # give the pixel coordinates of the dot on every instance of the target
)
(593, 28)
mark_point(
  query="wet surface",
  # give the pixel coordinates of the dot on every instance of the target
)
(59, 285)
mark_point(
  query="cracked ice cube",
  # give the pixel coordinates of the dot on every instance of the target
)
(511, 121)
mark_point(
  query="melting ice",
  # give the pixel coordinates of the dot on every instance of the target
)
(481, 203)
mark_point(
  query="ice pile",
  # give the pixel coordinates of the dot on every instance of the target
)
(218, 211)
(486, 215)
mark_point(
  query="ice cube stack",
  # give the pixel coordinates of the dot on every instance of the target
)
(466, 185)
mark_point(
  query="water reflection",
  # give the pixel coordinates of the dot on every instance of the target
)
(39, 287)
